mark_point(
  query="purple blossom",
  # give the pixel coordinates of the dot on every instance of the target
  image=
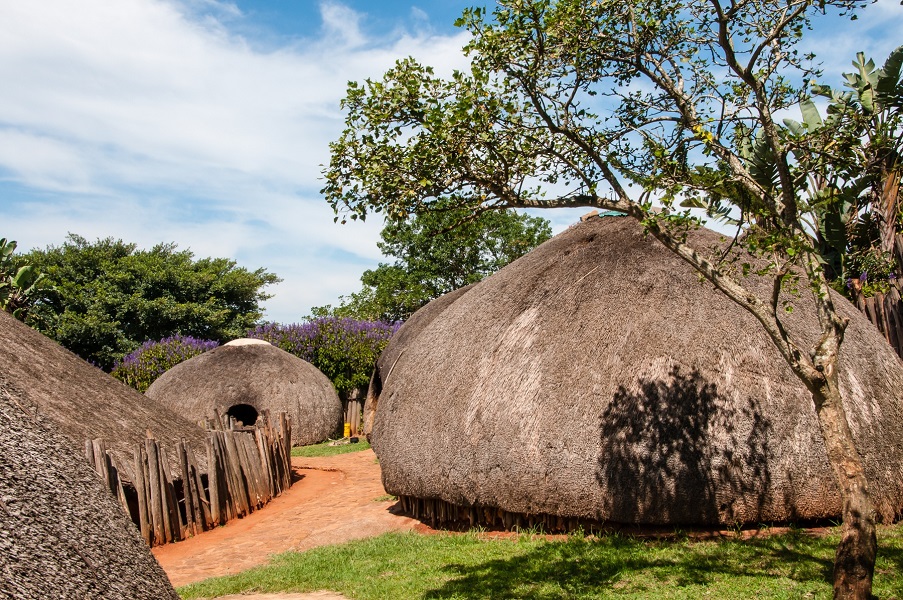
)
(344, 349)
(864, 277)
(153, 358)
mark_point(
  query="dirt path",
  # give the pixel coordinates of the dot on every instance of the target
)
(334, 501)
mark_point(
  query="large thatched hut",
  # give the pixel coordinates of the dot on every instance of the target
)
(62, 535)
(243, 378)
(598, 379)
(82, 401)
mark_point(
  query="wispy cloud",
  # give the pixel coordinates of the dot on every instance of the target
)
(150, 121)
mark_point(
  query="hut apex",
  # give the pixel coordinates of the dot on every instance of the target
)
(637, 396)
(243, 378)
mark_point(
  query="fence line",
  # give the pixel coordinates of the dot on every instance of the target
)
(246, 468)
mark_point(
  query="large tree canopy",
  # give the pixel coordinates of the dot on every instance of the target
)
(108, 297)
(614, 103)
(437, 252)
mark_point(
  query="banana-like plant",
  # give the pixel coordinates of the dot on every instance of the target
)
(18, 285)
(850, 160)
(870, 114)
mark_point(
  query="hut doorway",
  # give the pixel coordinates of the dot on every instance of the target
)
(243, 413)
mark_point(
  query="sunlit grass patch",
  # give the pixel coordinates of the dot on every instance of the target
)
(411, 565)
(326, 449)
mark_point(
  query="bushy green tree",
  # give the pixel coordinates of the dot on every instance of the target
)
(437, 252)
(609, 104)
(109, 296)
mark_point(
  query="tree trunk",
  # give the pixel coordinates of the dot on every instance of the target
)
(854, 562)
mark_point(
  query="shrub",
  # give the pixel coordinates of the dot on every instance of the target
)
(142, 367)
(344, 349)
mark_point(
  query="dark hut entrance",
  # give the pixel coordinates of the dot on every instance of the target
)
(243, 413)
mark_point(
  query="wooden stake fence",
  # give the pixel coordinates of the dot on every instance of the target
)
(886, 312)
(246, 468)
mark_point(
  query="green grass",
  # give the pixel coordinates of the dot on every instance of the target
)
(410, 565)
(324, 449)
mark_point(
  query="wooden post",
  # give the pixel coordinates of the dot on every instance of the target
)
(213, 484)
(156, 499)
(172, 506)
(199, 496)
(191, 526)
(141, 491)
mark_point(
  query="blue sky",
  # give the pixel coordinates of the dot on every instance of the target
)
(205, 123)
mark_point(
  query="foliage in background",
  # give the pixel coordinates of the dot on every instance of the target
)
(141, 368)
(109, 297)
(344, 349)
(19, 283)
(436, 253)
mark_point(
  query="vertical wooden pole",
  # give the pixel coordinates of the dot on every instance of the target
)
(141, 491)
(213, 483)
(171, 506)
(156, 500)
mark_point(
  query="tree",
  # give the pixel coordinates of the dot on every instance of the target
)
(580, 102)
(854, 173)
(19, 283)
(437, 252)
(109, 297)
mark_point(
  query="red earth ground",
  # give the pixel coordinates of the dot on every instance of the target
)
(333, 500)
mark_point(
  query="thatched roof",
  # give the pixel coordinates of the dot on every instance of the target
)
(597, 377)
(83, 401)
(258, 375)
(392, 352)
(62, 534)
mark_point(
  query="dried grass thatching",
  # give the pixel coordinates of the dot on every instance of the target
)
(598, 378)
(257, 375)
(62, 535)
(83, 401)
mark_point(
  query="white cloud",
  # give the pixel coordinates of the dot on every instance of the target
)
(150, 120)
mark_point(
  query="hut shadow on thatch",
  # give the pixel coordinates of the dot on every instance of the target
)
(660, 464)
(586, 567)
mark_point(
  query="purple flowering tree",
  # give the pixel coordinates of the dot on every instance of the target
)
(344, 349)
(142, 367)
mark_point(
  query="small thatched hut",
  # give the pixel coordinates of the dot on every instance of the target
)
(62, 535)
(597, 378)
(245, 377)
(83, 401)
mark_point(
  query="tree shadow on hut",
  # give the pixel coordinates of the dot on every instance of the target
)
(676, 452)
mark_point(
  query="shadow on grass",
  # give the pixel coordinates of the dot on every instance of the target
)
(589, 568)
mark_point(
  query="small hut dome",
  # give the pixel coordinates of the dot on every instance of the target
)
(598, 378)
(62, 534)
(84, 402)
(242, 379)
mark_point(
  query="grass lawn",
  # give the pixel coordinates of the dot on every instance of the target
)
(324, 449)
(411, 565)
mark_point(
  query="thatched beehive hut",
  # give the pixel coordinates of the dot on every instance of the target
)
(82, 401)
(62, 535)
(597, 378)
(245, 377)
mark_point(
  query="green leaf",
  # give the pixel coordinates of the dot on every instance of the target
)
(811, 117)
